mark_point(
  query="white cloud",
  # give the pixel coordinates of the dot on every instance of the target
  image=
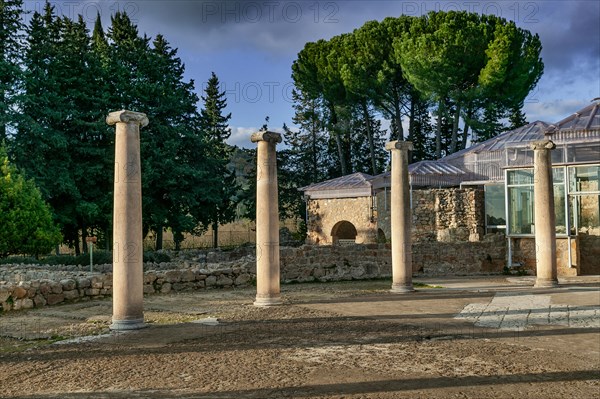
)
(240, 135)
(553, 111)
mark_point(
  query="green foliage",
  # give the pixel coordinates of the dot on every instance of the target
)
(26, 225)
(222, 189)
(11, 45)
(481, 64)
(71, 80)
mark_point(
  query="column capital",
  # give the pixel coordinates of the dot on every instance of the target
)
(399, 145)
(127, 117)
(271, 137)
(545, 144)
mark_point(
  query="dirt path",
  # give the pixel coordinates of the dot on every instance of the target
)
(343, 340)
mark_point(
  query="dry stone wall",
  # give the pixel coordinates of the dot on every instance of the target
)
(25, 287)
(445, 215)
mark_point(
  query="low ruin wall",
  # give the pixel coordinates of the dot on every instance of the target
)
(26, 286)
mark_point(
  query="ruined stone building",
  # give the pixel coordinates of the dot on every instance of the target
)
(483, 194)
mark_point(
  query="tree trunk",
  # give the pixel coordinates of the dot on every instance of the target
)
(411, 126)
(215, 228)
(84, 235)
(314, 165)
(338, 141)
(367, 117)
(455, 121)
(159, 238)
(465, 135)
(398, 117)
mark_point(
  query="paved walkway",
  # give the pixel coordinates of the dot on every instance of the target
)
(517, 312)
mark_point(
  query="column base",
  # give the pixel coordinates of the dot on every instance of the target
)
(271, 301)
(545, 283)
(125, 325)
(402, 288)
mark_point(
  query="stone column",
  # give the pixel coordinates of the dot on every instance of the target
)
(401, 217)
(267, 220)
(128, 272)
(545, 219)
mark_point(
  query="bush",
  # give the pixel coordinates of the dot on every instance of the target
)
(26, 225)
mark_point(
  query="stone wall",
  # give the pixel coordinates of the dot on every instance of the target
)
(324, 214)
(446, 215)
(25, 287)
(523, 252)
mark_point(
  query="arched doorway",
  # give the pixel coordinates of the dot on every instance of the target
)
(343, 232)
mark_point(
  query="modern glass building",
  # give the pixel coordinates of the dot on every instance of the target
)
(503, 166)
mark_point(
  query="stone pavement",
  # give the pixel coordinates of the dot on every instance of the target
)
(516, 311)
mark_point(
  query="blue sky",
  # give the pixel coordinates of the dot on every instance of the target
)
(251, 45)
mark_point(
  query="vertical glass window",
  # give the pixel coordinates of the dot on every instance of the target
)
(584, 179)
(520, 201)
(495, 214)
(584, 187)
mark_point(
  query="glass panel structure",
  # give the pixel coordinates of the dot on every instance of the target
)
(520, 210)
(495, 213)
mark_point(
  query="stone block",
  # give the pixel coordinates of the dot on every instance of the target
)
(97, 282)
(211, 281)
(5, 292)
(71, 294)
(172, 276)
(188, 276)
(243, 279)
(68, 285)
(19, 292)
(53, 298)
(39, 301)
(56, 287)
(92, 291)
(166, 288)
(83, 283)
(224, 281)
(149, 278)
(149, 289)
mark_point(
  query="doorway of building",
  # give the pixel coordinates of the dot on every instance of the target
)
(343, 233)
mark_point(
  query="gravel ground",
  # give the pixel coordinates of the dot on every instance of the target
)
(339, 340)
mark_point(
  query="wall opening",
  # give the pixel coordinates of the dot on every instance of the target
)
(343, 232)
(381, 236)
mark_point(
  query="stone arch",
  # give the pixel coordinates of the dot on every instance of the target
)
(381, 236)
(343, 230)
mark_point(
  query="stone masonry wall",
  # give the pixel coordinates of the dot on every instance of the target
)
(323, 214)
(445, 215)
(25, 287)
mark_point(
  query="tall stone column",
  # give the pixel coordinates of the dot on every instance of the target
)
(401, 217)
(128, 272)
(545, 219)
(267, 220)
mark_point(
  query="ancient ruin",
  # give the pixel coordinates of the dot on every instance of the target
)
(128, 274)
(267, 220)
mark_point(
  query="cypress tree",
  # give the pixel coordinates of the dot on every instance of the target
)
(11, 46)
(215, 127)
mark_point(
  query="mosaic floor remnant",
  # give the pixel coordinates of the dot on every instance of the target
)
(510, 311)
